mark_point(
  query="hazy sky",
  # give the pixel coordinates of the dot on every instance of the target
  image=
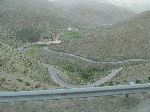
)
(136, 5)
(130, 2)
(133, 4)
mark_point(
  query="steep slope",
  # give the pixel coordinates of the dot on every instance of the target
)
(18, 72)
(129, 39)
(31, 19)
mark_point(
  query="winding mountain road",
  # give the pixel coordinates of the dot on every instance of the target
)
(96, 62)
(113, 74)
(55, 77)
(82, 58)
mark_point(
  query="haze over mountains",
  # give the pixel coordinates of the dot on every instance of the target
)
(91, 12)
(135, 5)
(104, 31)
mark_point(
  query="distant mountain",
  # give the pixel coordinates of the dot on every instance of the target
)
(31, 19)
(129, 39)
(91, 12)
(135, 5)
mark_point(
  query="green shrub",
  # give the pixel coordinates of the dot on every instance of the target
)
(137, 81)
(37, 85)
(110, 83)
(1, 62)
(2, 80)
(27, 84)
(20, 80)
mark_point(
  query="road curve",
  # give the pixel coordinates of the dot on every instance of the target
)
(114, 73)
(97, 62)
(82, 58)
(55, 77)
(59, 81)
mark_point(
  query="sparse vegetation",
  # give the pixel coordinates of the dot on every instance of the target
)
(2, 80)
(15, 65)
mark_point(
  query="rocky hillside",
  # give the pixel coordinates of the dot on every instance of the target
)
(129, 39)
(27, 21)
(18, 72)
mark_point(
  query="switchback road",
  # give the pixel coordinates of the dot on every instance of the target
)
(55, 77)
(97, 62)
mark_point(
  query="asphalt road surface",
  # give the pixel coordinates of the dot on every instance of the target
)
(55, 77)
